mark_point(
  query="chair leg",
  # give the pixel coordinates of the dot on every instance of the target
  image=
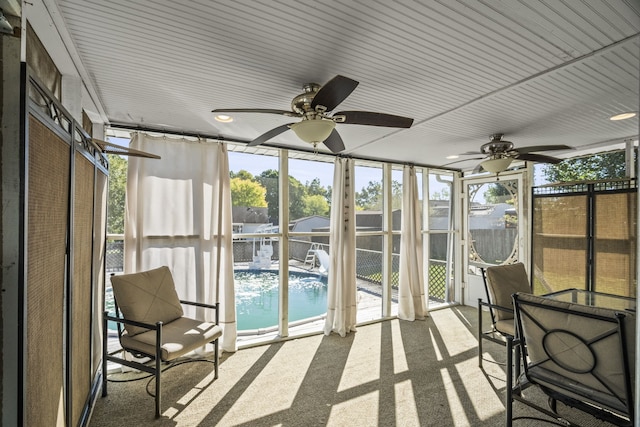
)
(479, 333)
(158, 366)
(105, 325)
(517, 361)
(217, 359)
(509, 398)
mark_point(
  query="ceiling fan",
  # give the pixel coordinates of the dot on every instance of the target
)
(500, 153)
(317, 125)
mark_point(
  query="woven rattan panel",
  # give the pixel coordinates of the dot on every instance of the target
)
(100, 222)
(615, 243)
(81, 285)
(47, 196)
(559, 243)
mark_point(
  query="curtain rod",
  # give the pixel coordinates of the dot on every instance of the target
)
(141, 128)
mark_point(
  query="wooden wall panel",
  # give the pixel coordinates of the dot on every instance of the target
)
(99, 242)
(81, 284)
(48, 200)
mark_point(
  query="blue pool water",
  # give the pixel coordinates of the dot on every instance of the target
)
(257, 295)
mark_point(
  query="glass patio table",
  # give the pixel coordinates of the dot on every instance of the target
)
(594, 299)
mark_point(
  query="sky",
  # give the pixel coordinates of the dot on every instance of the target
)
(304, 171)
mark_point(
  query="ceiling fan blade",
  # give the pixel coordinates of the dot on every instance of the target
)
(478, 168)
(268, 135)
(540, 158)
(334, 92)
(531, 149)
(334, 142)
(375, 119)
(463, 160)
(255, 110)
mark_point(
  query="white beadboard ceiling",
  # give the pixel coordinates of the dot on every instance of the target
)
(540, 71)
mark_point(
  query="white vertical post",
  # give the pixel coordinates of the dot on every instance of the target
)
(283, 198)
(387, 239)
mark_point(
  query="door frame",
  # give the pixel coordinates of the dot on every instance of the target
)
(472, 284)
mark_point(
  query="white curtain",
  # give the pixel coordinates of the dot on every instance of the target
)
(178, 213)
(341, 292)
(411, 294)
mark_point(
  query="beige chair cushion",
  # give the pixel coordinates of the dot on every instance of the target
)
(567, 349)
(504, 281)
(178, 338)
(507, 326)
(148, 297)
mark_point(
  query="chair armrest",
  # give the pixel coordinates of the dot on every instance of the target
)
(200, 304)
(499, 307)
(116, 319)
(215, 307)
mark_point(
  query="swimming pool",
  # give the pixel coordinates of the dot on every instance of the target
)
(257, 293)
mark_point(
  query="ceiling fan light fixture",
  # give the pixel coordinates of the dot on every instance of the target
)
(623, 116)
(223, 118)
(497, 165)
(313, 131)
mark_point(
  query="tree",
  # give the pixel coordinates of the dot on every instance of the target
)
(245, 192)
(315, 204)
(370, 197)
(443, 194)
(498, 193)
(243, 174)
(297, 194)
(396, 195)
(592, 168)
(315, 188)
(117, 192)
(269, 180)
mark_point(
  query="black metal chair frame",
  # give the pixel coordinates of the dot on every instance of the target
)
(156, 369)
(526, 380)
(493, 334)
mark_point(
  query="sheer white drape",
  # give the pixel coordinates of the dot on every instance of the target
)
(341, 292)
(411, 293)
(178, 213)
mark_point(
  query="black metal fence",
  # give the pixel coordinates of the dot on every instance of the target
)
(115, 256)
(368, 262)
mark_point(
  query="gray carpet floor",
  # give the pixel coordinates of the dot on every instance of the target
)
(392, 373)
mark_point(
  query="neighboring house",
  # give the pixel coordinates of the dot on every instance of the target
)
(249, 219)
(372, 220)
(309, 224)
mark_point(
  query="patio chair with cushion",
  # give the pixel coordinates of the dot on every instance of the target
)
(579, 355)
(151, 324)
(500, 283)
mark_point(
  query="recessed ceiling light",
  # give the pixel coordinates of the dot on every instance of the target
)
(223, 118)
(451, 157)
(623, 116)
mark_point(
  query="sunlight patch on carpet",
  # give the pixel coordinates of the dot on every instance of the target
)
(436, 349)
(278, 371)
(360, 411)
(406, 409)
(459, 337)
(363, 364)
(487, 403)
(458, 414)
